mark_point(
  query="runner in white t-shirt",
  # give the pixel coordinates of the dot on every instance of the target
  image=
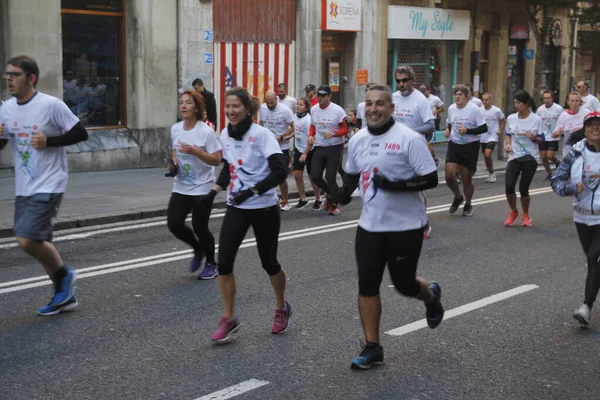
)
(494, 119)
(303, 153)
(549, 113)
(253, 167)
(283, 98)
(588, 100)
(524, 131)
(391, 165)
(278, 119)
(464, 125)
(196, 152)
(473, 99)
(570, 121)
(40, 127)
(329, 120)
(360, 109)
(436, 104)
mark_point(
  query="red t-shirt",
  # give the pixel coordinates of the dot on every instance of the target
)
(314, 101)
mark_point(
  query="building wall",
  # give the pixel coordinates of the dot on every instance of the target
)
(308, 45)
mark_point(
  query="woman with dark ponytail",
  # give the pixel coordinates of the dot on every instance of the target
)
(522, 134)
(253, 166)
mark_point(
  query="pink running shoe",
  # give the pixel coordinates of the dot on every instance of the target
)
(281, 320)
(225, 330)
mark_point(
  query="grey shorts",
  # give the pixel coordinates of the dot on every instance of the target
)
(35, 215)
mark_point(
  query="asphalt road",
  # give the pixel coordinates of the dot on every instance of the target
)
(143, 325)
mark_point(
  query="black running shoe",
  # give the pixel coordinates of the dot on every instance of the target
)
(455, 204)
(435, 311)
(467, 210)
(301, 204)
(372, 354)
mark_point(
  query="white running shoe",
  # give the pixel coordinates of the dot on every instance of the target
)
(285, 206)
(583, 315)
(491, 178)
(356, 193)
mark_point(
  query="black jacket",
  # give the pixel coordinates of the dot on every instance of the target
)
(211, 106)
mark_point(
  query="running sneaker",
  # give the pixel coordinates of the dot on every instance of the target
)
(70, 305)
(196, 263)
(356, 193)
(491, 178)
(285, 206)
(65, 288)
(371, 354)
(455, 204)
(328, 205)
(583, 315)
(427, 230)
(301, 204)
(281, 320)
(512, 217)
(335, 210)
(434, 312)
(225, 331)
(548, 177)
(317, 205)
(210, 271)
(526, 220)
(467, 210)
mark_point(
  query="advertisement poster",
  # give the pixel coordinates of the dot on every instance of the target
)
(334, 76)
(362, 77)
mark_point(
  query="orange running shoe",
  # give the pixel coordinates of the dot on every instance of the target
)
(526, 220)
(512, 217)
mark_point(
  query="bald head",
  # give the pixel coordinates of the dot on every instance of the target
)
(271, 99)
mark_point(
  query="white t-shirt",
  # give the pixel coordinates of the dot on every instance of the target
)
(43, 170)
(521, 145)
(470, 116)
(549, 116)
(570, 123)
(277, 121)
(586, 170)
(289, 102)
(360, 112)
(399, 154)
(327, 120)
(591, 103)
(434, 103)
(476, 101)
(248, 164)
(412, 110)
(493, 116)
(302, 129)
(194, 177)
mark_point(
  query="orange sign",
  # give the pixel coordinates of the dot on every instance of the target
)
(362, 76)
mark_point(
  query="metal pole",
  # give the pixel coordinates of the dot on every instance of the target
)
(394, 62)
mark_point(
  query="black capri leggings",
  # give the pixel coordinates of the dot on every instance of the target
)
(399, 250)
(589, 236)
(265, 223)
(201, 239)
(326, 159)
(524, 166)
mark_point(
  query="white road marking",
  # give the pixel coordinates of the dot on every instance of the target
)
(403, 330)
(235, 390)
(88, 272)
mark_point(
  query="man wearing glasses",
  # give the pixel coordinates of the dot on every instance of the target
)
(39, 127)
(589, 101)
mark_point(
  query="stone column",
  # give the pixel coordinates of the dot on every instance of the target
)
(308, 45)
(194, 18)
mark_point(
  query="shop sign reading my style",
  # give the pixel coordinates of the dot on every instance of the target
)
(428, 23)
(341, 15)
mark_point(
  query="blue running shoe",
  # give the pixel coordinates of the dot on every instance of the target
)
(196, 263)
(372, 354)
(210, 271)
(435, 311)
(65, 288)
(53, 310)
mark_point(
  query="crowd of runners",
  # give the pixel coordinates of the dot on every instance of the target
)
(382, 150)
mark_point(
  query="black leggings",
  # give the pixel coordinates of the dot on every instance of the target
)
(201, 239)
(589, 236)
(265, 223)
(327, 159)
(399, 250)
(524, 167)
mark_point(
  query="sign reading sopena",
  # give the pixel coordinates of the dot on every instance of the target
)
(428, 23)
(341, 15)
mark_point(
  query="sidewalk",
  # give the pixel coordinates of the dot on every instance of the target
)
(95, 198)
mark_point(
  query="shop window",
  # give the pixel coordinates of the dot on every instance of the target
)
(93, 84)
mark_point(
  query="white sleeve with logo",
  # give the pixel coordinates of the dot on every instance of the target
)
(212, 143)
(351, 167)
(425, 111)
(420, 158)
(288, 115)
(63, 117)
(478, 117)
(268, 144)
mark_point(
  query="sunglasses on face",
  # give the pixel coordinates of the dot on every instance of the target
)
(403, 80)
(321, 95)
